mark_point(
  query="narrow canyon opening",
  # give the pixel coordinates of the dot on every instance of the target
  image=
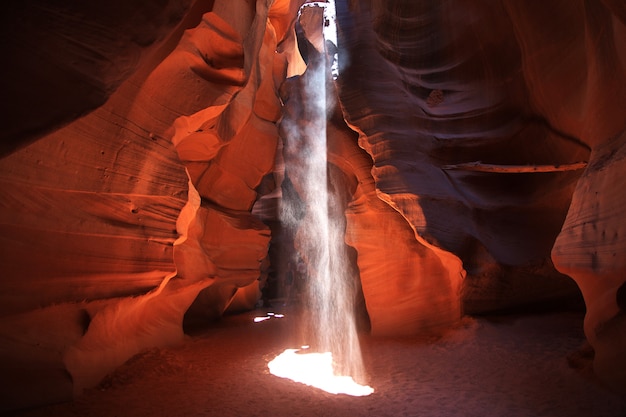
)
(165, 234)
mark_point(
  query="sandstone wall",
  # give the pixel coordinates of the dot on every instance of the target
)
(120, 223)
(477, 147)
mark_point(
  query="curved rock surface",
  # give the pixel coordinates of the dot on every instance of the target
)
(408, 285)
(584, 94)
(87, 51)
(148, 196)
(429, 105)
(458, 101)
(477, 149)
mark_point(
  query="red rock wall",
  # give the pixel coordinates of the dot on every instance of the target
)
(479, 151)
(65, 58)
(454, 101)
(91, 213)
(578, 81)
(429, 87)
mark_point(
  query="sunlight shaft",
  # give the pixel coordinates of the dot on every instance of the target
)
(330, 283)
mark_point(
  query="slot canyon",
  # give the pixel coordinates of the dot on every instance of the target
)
(476, 154)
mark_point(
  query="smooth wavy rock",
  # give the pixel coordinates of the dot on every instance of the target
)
(87, 50)
(575, 60)
(107, 208)
(478, 157)
(428, 85)
(408, 285)
(431, 85)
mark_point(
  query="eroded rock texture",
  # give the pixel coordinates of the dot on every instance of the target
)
(434, 102)
(476, 146)
(579, 84)
(148, 196)
(408, 286)
(87, 52)
(458, 101)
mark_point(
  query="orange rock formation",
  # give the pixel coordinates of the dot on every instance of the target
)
(478, 148)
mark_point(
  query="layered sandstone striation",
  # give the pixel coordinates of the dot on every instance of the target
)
(138, 213)
(476, 149)
(432, 111)
(65, 58)
(408, 285)
(481, 149)
(480, 120)
(579, 84)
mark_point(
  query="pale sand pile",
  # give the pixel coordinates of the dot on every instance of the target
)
(512, 366)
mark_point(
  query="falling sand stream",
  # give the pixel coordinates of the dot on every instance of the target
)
(332, 357)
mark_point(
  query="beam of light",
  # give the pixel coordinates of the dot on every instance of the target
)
(330, 35)
(330, 293)
(315, 370)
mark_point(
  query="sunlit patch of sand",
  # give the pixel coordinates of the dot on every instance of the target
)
(316, 370)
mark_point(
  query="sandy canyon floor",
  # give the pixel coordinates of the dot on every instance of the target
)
(503, 366)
